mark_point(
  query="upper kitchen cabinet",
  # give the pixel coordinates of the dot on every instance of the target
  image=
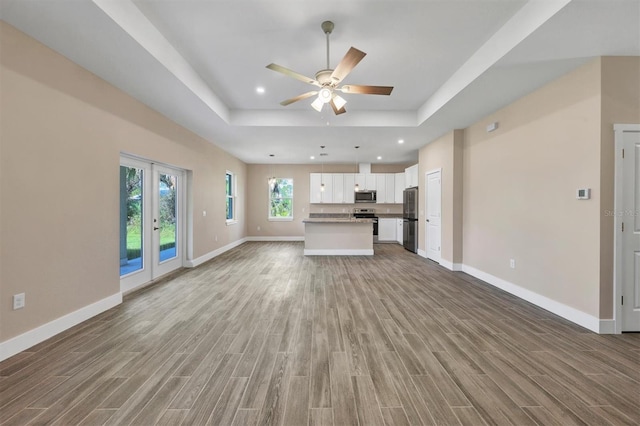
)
(338, 188)
(385, 187)
(366, 181)
(399, 187)
(411, 176)
(316, 183)
(349, 187)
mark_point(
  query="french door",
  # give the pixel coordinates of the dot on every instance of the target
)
(151, 221)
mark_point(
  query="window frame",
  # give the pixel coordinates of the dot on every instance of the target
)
(232, 197)
(280, 218)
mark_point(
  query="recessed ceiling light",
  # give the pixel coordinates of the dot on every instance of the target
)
(400, 140)
(312, 157)
(379, 157)
(260, 90)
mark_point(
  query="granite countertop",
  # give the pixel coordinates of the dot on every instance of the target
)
(389, 215)
(336, 220)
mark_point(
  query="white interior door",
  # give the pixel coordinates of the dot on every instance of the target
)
(433, 211)
(631, 233)
(152, 221)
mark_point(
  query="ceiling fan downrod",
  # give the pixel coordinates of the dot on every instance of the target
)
(327, 27)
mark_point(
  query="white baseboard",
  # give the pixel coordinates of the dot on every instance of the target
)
(26, 340)
(607, 326)
(450, 265)
(338, 252)
(422, 253)
(217, 252)
(567, 312)
(267, 238)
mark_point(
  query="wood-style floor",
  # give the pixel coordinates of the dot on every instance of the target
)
(263, 335)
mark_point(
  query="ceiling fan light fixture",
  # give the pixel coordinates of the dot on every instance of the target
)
(339, 101)
(317, 104)
(325, 94)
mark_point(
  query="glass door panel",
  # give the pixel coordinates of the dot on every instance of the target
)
(167, 215)
(131, 219)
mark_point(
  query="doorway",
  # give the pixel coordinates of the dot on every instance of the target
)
(152, 221)
(433, 209)
(627, 225)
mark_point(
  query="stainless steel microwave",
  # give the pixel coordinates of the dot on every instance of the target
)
(365, 196)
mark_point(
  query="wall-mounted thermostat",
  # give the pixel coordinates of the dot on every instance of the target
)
(583, 194)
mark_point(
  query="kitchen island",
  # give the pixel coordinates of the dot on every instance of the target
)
(330, 236)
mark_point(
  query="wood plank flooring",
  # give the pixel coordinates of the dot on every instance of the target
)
(262, 335)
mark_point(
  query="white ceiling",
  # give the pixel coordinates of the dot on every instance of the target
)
(451, 62)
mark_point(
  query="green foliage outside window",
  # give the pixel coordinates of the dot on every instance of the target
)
(281, 198)
(230, 196)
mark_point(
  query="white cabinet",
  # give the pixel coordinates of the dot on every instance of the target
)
(411, 176)
(390, 187)
(387, 229)
(381, 189)
(399, 231)
(371, 181)
(316, 195)
(338, 188)
(385, 185)
(349, 187)
(399, 188)
(366, 181)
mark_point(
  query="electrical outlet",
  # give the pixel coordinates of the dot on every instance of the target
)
(204, 213)
(18, 301)
(215, 238)
(512, 263)
(259, 227)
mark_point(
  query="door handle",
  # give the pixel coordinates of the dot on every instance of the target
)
(427, 220)
(155, 229)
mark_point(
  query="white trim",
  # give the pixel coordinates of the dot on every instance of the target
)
(422, 253)
(274, 238)
(217, 252)
(608, 326)
(280, 219)
(37, 335)
(567, 312)
(338, 252)
(618, 206)
(450, 265)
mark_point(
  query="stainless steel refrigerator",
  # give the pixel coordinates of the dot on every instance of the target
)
(410, 219)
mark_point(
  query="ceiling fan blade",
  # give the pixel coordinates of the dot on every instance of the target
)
(367, 90)
(299, 98)
(335, 108)
(290, 73)
(350, 60)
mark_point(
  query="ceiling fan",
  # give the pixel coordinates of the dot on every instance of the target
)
(328, 80)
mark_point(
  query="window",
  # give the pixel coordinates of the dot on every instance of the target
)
(281, 199)
(231, 197)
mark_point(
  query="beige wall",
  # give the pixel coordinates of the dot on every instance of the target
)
(519, 191)
(258, 196)
(444, 153)
(62, 132)
(620, 105)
